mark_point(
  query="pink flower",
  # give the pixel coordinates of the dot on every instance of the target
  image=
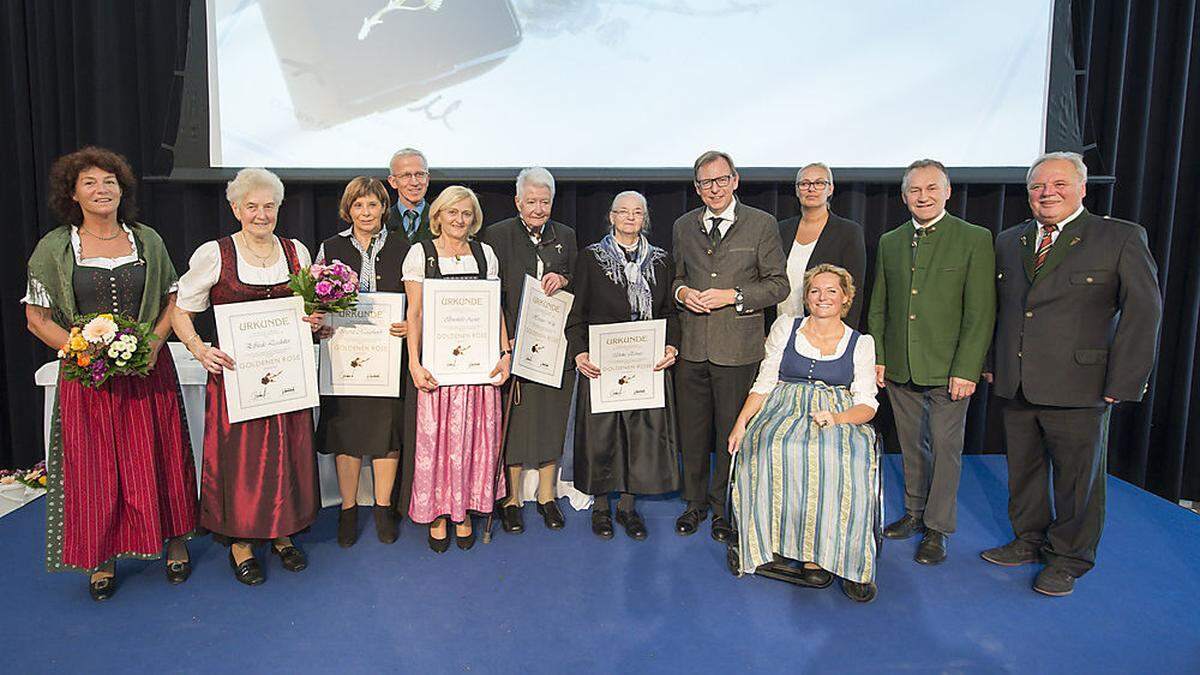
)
(348, 287)
(324, 288)
(316, 270)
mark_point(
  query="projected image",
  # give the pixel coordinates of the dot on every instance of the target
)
(626, 83)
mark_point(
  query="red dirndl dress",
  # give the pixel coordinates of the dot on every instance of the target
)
(259, 479)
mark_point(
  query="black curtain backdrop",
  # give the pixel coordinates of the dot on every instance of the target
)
(106, 73)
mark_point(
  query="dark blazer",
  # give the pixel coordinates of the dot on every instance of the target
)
(518, 257)
(1086, 326)
(841, 243)
(749, 257)
(395, 222)
(599, 299)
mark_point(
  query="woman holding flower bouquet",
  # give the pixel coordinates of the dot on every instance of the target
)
(260, 476)
(358, 427)
(120, 477)
(457, 427)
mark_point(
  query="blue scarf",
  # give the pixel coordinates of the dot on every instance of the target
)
(637, 275)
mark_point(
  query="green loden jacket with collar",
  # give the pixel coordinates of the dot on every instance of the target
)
(932, 313)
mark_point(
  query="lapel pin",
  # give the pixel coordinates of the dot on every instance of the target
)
(558, 247)
(1024, 241)
(1074, 241)
(432, 261)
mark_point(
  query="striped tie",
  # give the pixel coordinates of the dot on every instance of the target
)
(1043, 249)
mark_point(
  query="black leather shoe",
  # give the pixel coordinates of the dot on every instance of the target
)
(386, 527)
(904, 528)
(249, 572)
(602, 524)
(551, 515)
(857, 592)
(347, 532)
(815, 578)
(932, 549)
(634, 526)
(512, 519)
(293, 559)
(103, 588)
(722, 531)
(1054, 582)
(439, 545)
(1013, 554)
(178, 571)
(685, 525)
(465, 543)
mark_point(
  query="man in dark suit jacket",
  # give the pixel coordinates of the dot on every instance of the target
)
(408, 174)
(933, 308)
(728, 267)
(1077, 332)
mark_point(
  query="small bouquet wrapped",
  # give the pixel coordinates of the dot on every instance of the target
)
(34, 478)
(103, 345)
(329, 288)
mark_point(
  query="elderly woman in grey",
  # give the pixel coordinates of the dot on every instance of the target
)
(259, 480)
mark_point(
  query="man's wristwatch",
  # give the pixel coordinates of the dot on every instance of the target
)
(738, 299)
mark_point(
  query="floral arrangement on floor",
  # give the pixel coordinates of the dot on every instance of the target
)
(328, 288)
(103, 345)
(34, 478)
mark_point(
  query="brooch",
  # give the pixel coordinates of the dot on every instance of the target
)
(1074, 241)
(431, 260)
(558, 247)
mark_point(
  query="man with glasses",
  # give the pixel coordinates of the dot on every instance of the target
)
(729, 267)
(932, 310)
(408, 174)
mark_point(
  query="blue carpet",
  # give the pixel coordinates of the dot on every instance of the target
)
(567, 601)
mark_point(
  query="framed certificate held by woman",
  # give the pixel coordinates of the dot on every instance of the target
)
(461, 328)
(626, 354)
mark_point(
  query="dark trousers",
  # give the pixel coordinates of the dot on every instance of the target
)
(931, 428)
(709, 398)
(1060, 452)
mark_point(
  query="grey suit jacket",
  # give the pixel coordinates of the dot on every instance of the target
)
(1086, 326)
(749, 257)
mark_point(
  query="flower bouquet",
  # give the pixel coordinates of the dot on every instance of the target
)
(34, 478)
(103, 345)
(329, 288)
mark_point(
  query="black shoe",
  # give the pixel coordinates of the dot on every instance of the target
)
(103, 588)
(249, 572)
(512, 519)
(464, 543)
(932, 549)
(386, 527)
(293, 559)
(551, 515)
(602, 524)
(1013, 554)
(1054, 582)
(685, 525)
(634, 526)
(722, 531)
(815, 578)
(178, 571)
(857, 592)
(440, 545)
(347, 532)
(904, 528)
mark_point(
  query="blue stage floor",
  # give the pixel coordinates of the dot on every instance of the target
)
(567, 601)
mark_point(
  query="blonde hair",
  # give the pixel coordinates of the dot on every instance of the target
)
(364, 186)
(844, 278)
(453, 195)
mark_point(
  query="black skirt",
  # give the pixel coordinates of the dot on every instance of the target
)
(360, 426)
(537, 422)
(635, 451)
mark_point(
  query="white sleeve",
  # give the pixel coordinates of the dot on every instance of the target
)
(302, 254)
(777, 341)
(413, 267)
(863, 387)
(493, 263)
(204, 269)
(35, 294)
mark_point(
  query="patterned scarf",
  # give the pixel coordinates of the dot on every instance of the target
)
(636, 275)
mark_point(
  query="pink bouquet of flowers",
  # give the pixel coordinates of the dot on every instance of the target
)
(329, 288)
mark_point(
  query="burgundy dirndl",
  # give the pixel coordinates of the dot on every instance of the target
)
(260, 476)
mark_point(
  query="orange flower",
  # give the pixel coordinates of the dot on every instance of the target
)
(83, 360)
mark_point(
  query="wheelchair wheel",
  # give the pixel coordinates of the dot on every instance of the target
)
(733, 560)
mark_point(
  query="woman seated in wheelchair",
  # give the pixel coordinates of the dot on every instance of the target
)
(806, 480)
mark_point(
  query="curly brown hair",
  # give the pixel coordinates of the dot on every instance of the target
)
(65, 172)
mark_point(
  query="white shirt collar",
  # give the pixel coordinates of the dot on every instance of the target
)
(933, 222)
(1063, 223)
(727, 216)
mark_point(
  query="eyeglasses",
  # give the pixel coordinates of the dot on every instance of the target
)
(637, 214)
(719, 181)
(817, 185)
(412, 176)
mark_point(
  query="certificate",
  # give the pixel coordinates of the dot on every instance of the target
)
(363, 358)
(541, 347)
(626, 353)
(272, 352)
(460, 329)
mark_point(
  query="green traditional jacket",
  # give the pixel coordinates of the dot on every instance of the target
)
(932, 313)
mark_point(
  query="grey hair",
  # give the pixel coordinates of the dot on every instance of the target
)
(645, 207)
(924, 164)
(711, 156)
(821, 165)
(1074, 158)
(251, 179)
(408, 152)
(535, 175)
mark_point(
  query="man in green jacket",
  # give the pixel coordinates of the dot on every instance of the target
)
(932, 311)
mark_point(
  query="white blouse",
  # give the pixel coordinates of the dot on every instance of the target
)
(413, 267)
(35, 292)
(204, 269)
(863, 387)
(797, 264)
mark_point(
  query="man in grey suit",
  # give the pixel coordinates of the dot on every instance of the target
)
(729, 266)
(1079, 311)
